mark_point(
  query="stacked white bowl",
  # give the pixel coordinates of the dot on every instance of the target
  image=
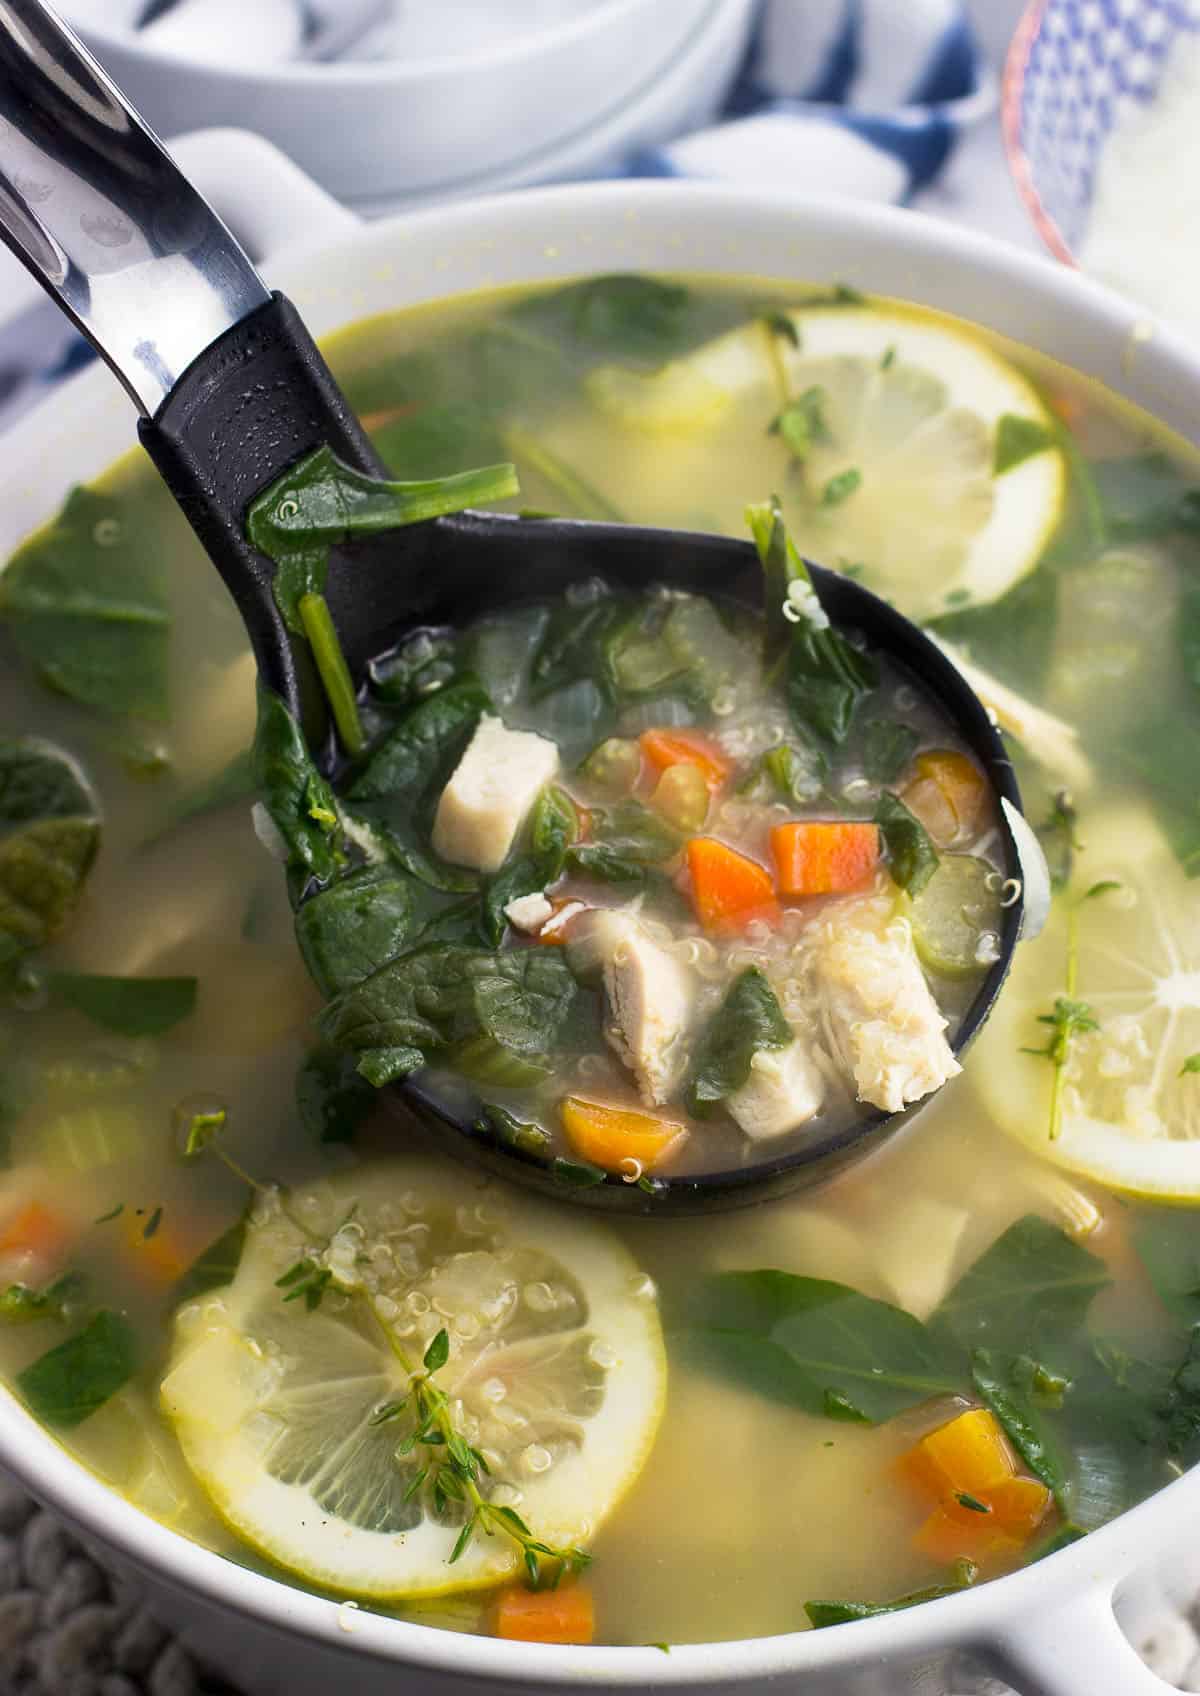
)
(437, 98)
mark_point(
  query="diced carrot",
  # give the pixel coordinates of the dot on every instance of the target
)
(970, 1454)
(158, 1258)
(1017, 1505)
(729, 889)
(565, 1615)
(949, 794)
(663, 748)
(944, 1539)
(35, 1241)
(613, 1136)
(823, 856)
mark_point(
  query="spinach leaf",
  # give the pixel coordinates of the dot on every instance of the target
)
(1018, 439)
(793, 772)
(332, 1097)
(1168, 1242)
(214, 1268)
(68, 1384)
(435, 438)
(440, 994)
(633, 830)
(888, 748)
(130, 1006)
(1012, 636)
(49, 833)
(86, 602)
(1143, 497)
(1034, 1284)
(749, 1019)
(523, 876)
(643, 319)
(821, 1614)
(512, 1132)
(354, 927)
(1178, 1412)
(573, 646)
(606, 863)
(424, 747)
(997, 1386)
(824, 1346)
(299, 800)
(422, 663)
(912, 858)
(826, 676)
(321, 502)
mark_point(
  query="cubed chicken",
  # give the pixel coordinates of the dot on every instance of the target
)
(528, 913)
(490, 794)
(880, 1012)
(784, 1090)
(650, 997)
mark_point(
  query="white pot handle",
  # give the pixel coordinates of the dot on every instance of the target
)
(268, 202)
(1077, 1650)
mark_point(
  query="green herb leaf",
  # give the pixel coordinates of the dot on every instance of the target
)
(131, 1006)
(19, 1305)
(888, 748)
(322, 502)
(912, 858)
(822, 1614)
(802, 421)
(438, 1352)
(49, 833)
(1018, 439)
(213, 1269)
(85, 600)
(1033, 1285)
(749, 1019)
(840, 487)
(794, 772)
(71, 1382)
(203, 1129)
(354, 927)
(1190, 1066)
(823, 1346)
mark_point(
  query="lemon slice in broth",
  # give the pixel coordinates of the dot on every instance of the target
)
(556, 1373)
(1130, 1107)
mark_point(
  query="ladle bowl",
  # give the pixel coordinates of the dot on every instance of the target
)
(233, 394)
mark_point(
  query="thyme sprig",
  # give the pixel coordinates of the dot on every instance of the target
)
(1070, 1017)
(455, 1469)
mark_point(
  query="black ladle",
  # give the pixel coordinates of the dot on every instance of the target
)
(233, 393)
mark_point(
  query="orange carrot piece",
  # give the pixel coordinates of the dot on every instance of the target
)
(949, 794)
(38, 1238)
(823, 856)
(565, 1615)
(728, 889)
(158, 1258)
(612, 1136)
(944, 1539)
(663, 748)
(969, 1453)
(1016, 1505)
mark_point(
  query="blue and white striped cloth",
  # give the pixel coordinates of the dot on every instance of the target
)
(858, 97)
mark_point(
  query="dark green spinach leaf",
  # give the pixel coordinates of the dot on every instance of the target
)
(912, 858)
(354, 927)
(68, 1384)
(214, 1268)
(332, 1097)
(749, 1019)
(130, 1006)
(419, 755)
(1033, 1285)
(573, 644)
(821, 1614)
(888, 748)
(1168, 1242)
(49, 834)
(299, 800)
(86, 602)
(999, 1389)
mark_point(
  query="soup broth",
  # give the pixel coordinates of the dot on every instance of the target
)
(1007, 1258)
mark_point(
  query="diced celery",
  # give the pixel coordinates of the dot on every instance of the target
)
(681, 797)
(614, 766)
(955, 914)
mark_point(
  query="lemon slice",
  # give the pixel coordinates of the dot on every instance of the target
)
(1131, 1114)
(556, 1373)
(898, 482)
(685, 395)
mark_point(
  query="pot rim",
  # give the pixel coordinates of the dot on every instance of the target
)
(1154, 366)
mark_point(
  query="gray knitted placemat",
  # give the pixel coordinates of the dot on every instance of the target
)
(69, 1628)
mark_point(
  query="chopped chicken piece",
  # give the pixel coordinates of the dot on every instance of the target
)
(784, 1090)
(528, 913)
(650, 997)
(881, 1015)
(490, 794)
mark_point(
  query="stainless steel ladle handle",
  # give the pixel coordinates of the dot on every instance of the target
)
(94, 206)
